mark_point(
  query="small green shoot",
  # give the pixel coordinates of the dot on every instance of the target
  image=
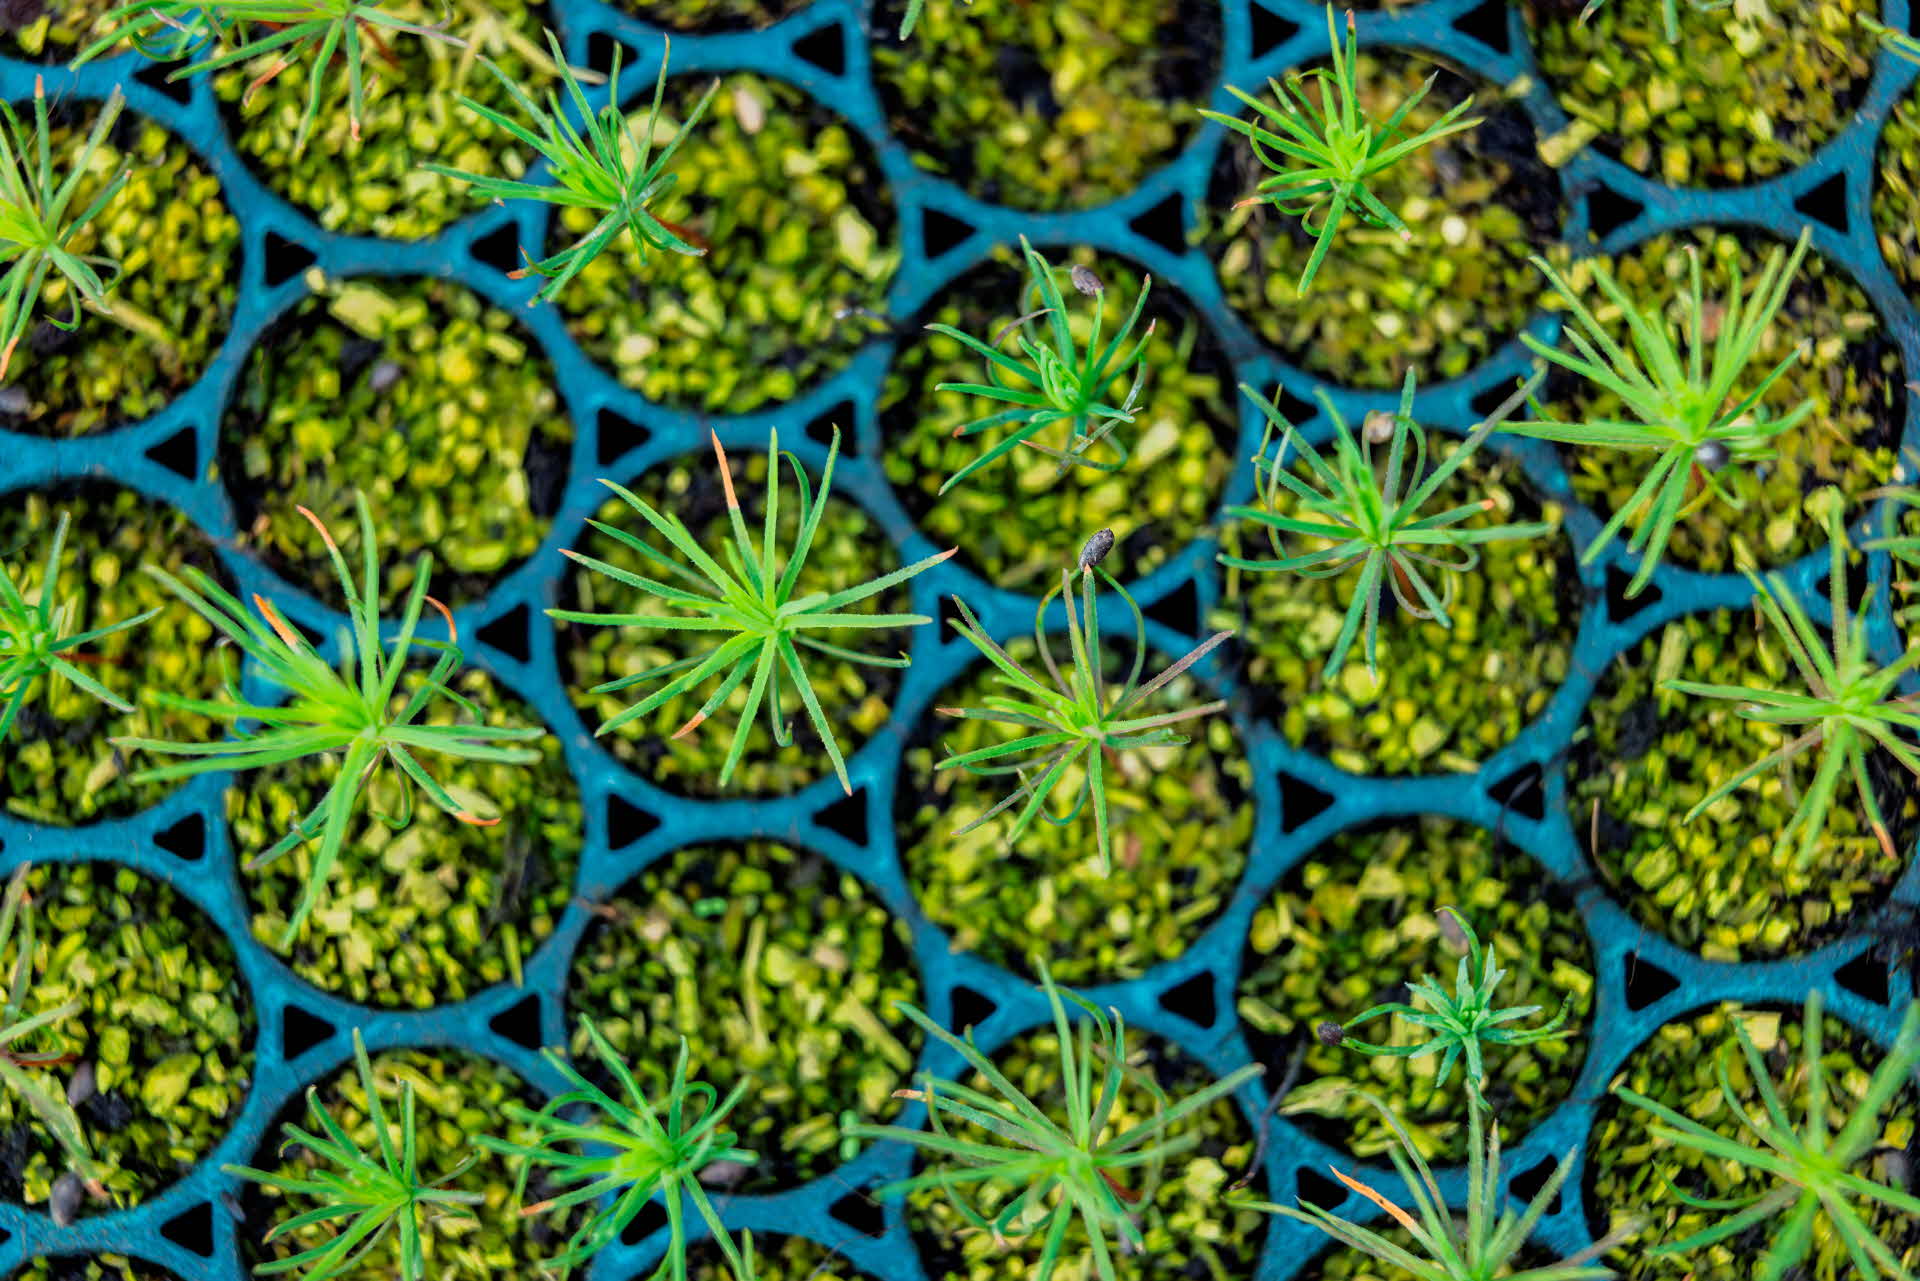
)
(1809, 1163)
(1323, 154)
(1484, 1244)
(1371, 514)
(238, 31)
(1076, 721)
(631, 1150)
(18, 1068)
(1051, 1172)
(912, 16)
(36, 224)
(37, 640)
(1682, 409)
(1058, 381)
(612, 168)
(1851, 704)
(1670, 12)
(752, 600)
(1460, 1024)
(358, 711)
(371, 1193)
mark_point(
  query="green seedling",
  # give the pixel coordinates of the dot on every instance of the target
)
(21, 1069)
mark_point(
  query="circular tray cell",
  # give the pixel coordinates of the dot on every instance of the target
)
(1188, 1231)
(177, 247)
(848, 549)
(1722, 884)
(1736, 100)
(59, 765)
(777, 967)
(1181, 822)
(435, 405)
(376, 183)
(713, 15)
(90, 1267)
(1019, 522)
(1445, 698)
(1475, 203)
(434, 911)
(776, 1258)
(1851, 374)
(165, 1031)
(797, 226)
(1064, 105)
(457, 1097)
(1631, 1174)
(1355, 923)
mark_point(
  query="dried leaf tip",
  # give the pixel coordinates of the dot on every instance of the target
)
(726, 472)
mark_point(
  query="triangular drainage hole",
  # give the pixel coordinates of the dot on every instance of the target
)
(1827, 203)
(520, 1023)
(970, 1008)
(1526, 1185)
(509, 634)
(1608, 210)
(1647, 983)
(1178, 610)
(617, 436)
(1523, 792)
(1300, 803)
(1486, 401)
(825, 49)
(600, 47)
(301, 1032)
(192, 1230)
(1487, 23)
(942, 232)
(627, 823)
(184, 839)
(1192, 1000)
(499, 249)
(1866, 977)
(284, 259)
(179, 453)
(1620, 606)
(1315, 1188)
(946, 616)
(154, 75)
(847, 817)
(861, 1213)
(820, 430)
(652, 1217)
(1270, 31)
(1164, 225)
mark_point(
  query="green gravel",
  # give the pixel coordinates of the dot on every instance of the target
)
(790, 202)
(1735, 101)
(1015, 522)
(105, 373)
(713, 15)
(435, 405)
(849, 549)
(1632, 1174)
(165, 1022)
(97, 1267)
(1358, 919)
(58, 766)
(56, 31)
(1182, 823)
(776, 967)
(1445, 698)
(457, 1096)
(1896, 194)
(777, 1258)
(377, 184)
(1187, 1229)
(1063, 105)
(1721, 884)
(1852, 376)
(1477, 204)
(440, 909)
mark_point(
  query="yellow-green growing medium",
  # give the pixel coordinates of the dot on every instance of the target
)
(1019, 523)
(1445, 698)
(1476, 204)
(422, 396)
(54, 30)
(1851, 374)
(776, 966)
(1750, 90)
(377, 184)
(1357, 920)
(457, 1096)
(1182, 822)
(1633, 1175)
(713, 15)
(1720, 884)
(1061, 105)
(1896, 196)
(178, 249)
(778, 1258)
(1188, 1229)
(165, 1029)
(799, 234)
(59, 765)
(439, 909)
(94, 1267)
(849, 549)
